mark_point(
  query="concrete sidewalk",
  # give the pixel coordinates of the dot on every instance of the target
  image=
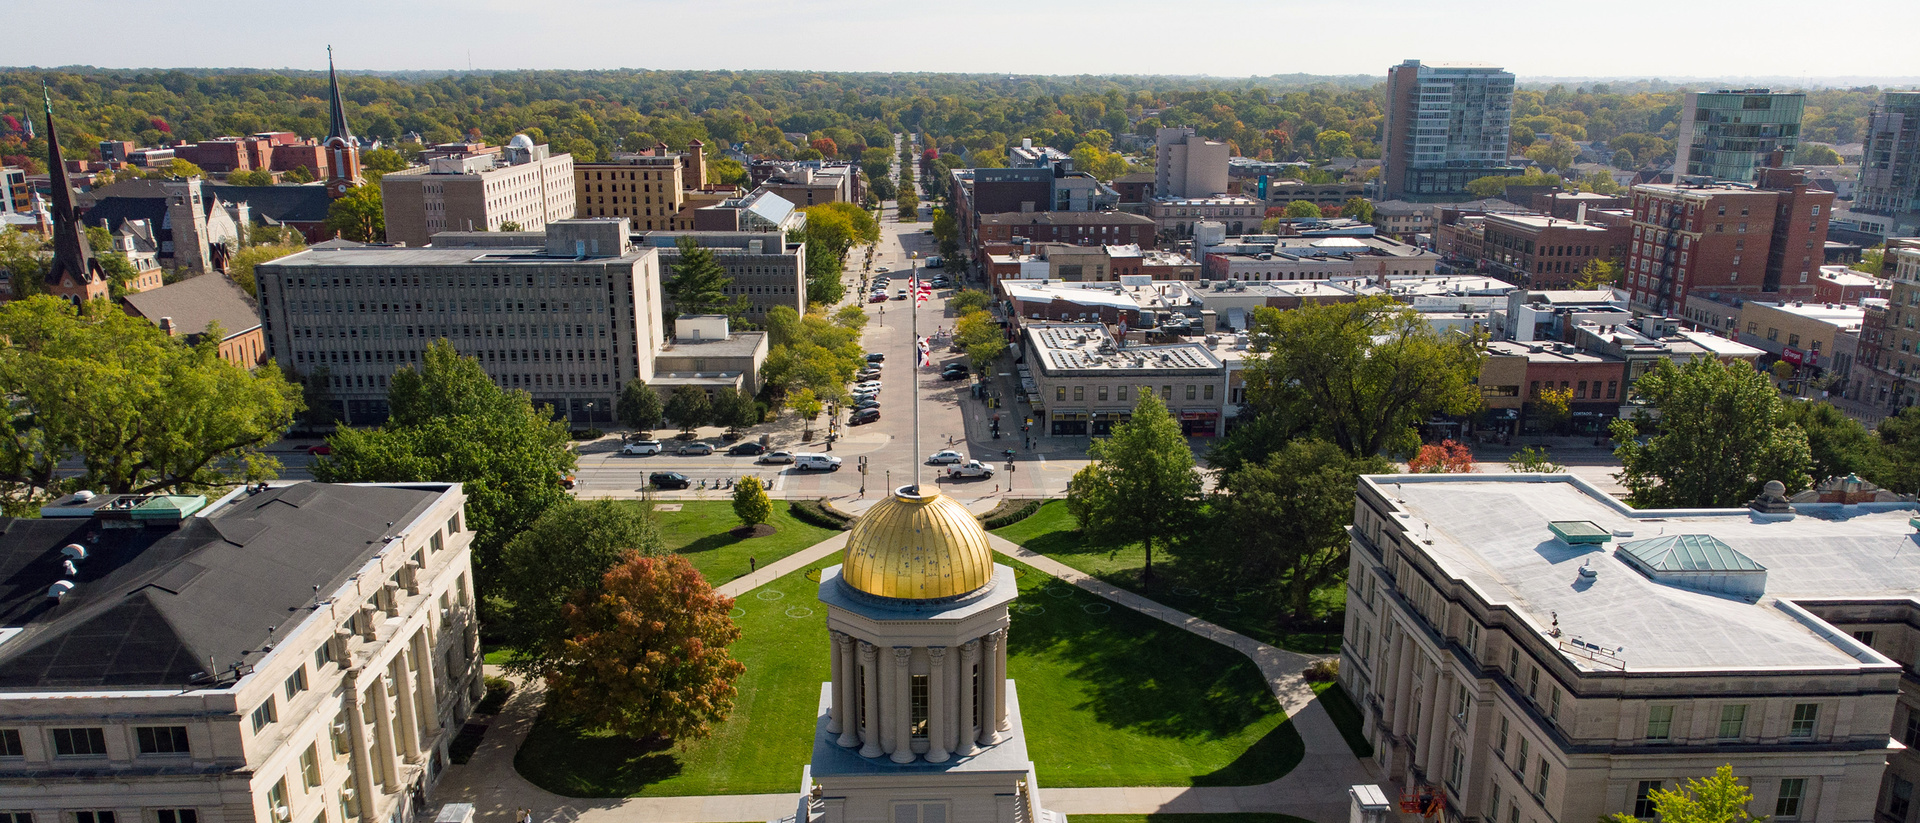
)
(1316, 789)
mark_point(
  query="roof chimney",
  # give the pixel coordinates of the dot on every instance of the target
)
(166, 326)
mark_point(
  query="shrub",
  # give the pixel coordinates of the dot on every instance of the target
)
(587, 434)
(820, 513)
(1009, 512)
(1323, 671)
(498, 690)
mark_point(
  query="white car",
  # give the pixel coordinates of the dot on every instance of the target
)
(947, 456)
(777, 457)
(971, 468)
(816, 462)
(868, 384)
(641, 447)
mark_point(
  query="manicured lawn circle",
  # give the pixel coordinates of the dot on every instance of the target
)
(769, 595)
(1096, 608)
(737, 613)
(798, 612)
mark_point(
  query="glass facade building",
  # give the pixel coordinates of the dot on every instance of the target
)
(1725, 135)
(1446, 125)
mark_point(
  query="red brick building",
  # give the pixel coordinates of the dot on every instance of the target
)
(1544, 252)
(1767, 238)
(1086, 228)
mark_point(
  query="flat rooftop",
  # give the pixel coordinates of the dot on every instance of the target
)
(1079, 347)
(440, 256)
(1493, 532)
(1541, 221)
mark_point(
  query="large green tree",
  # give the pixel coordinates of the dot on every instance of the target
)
(1719, 798)
(1899, 451)
(1722, 433)
(750, 502)
(359, 215)
(699, 284)
(1284, 518)
(1141, 486)
(1362, 374)
(639, 407)
(1837, 444)
(138, 411)
(689, 408)
(448, 422)
(567, 550)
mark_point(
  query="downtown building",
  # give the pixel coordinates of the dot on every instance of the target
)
(1765, 240)
(1446, 125)
(1890, 166)
(299, 653)
(1731, 134)
(568, 316)
(471, 187)
(1526, 648)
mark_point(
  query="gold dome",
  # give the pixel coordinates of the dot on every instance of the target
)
(917, 546)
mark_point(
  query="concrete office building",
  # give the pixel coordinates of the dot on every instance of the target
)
(766, 269)
(1530, 649)
(297, 653)
(648, 190)
(1187, 165)
(1446, 124)
(569, 317)
(479, 189)
(1083, 381)
(706, 354)
(1890, 166)
(1728, 134)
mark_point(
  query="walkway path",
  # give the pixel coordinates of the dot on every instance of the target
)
(1316, 789)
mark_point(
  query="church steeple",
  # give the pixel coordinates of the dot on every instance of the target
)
(343, 151)
(75, 273)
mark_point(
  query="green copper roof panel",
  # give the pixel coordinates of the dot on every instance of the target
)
(1579, 531)
(1689, 553)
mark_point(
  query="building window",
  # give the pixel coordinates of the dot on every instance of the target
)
(1533, 684)
(100, 816)
(10, 745)
(1513, 654)
(176, 816)
(1500, 743)
(1079, 392)
(919, 708)
(1493, 803)
(1456, 768)
(1166, 393)
(162, 739)
(277, 799)
(264, 714)
(1791, 790)
(1733, 721)
(1659, 722)
(1805, 717)
(1207, 393)
(1060, 393)
(1643, 799)
(1553, 705)
(296, 682)
(310, 767)
(1103, 392)
(16, 817)
(1899, 798)
(1540, 779)
(1520, 762)
(79, 742)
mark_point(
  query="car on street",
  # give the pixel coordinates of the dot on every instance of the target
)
(777, 457)
(641, 447)
(866, 375)
(697, 448)
(876, 357)
(971, 468)
(747, 449)
(946, 456)
(900, 294)
(868, 403)
(882, 269)
(816, 463)
(322, 449)
(868, 384)
(669, 480)
(955, 366)
(863, 416)
(877, 297)
(953, 375)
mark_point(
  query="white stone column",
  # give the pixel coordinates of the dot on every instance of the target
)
(383, 736)
(990, 686)
(1429, 706)
(870, 730)
(423, 673)
(847, 697)
(903, 701)
(937, 708)
(407, 718)
(1403, 688)
(836, 708)
(1437, 731)
(1001, 721)
(964, 721)
(360, 757)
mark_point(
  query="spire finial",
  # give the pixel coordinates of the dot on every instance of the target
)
(336, 109)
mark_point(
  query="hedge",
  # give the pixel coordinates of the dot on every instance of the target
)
(1009, 512)
(820, 513)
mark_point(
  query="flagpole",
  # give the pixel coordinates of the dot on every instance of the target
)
(913, 370)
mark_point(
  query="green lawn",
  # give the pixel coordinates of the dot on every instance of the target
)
(1346, 716)
(1251, 610)
(1109, 698)
(702, 532)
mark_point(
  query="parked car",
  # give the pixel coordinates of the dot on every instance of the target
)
(946, 456)
(867, 384)
(867, 403)
(875, 366)
(777, 457)
(864, 394)
(816, 462)
(971, 468)
(322, 449)
(876, 357)
(747, 449)
(953, 375)
(882, 269)
(900, 294)
(877, 297)
(669, 480)
(956, 366)
(863, 416)
(641, 447)
(697, 448)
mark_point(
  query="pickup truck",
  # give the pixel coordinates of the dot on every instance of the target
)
(971, 468)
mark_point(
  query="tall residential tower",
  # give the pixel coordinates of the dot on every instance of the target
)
(1447, 124)
(1890, 166)
(1727, 134)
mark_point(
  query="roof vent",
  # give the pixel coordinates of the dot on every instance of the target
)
(59, 589)
(83, 495)
(74, 551)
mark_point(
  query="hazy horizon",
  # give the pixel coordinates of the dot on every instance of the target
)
(1217, 38)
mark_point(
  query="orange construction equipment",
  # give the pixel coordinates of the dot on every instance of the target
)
(1426, 801)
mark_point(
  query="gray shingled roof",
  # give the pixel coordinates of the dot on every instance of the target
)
(196, 302)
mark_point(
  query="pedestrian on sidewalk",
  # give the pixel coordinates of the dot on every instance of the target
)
(753, 565)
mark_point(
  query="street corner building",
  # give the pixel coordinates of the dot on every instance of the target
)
(919, 723)
(296, 653)
(1528, 649)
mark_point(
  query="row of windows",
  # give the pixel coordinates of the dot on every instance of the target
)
(107, 816)
(92, 741)
(446, 281)
(1194, 392)
(489, 306)
(1579, 389)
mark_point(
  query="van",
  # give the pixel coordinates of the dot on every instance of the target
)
(816, 462)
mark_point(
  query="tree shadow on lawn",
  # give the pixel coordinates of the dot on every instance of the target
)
(1139, 674)
(574, 761)
(711, 542)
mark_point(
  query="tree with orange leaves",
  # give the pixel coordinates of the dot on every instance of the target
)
(1446, 457)
(647, 653)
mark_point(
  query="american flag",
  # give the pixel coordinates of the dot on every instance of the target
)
(926, 351)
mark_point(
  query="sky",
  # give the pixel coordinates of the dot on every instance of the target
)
(1228, 38)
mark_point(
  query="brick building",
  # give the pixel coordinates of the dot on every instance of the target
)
(1544, 252)
(1766, 238)
(1078, 227)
